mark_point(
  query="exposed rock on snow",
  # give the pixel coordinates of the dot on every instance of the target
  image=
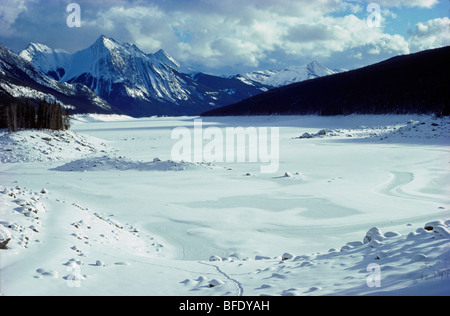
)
(306, 135)
(287, 256)
(430, 225)
(439, 227)
(215, 282)
(4, 243)
(25, 223)
(5, 237)
(215, 258)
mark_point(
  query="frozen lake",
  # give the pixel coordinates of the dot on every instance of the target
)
(391, 172)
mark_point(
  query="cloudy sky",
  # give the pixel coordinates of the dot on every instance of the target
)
(236, 36)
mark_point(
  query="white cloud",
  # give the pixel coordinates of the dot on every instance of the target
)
(404, 3)
(431, 34)
(334, 35)
(217, 34)
(232, 35)
(9, 12)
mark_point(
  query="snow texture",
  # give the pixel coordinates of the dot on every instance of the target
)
(361, 215)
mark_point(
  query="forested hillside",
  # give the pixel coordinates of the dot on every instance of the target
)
(416, 83)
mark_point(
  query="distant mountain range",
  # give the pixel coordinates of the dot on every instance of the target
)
(279, 78)
(119, 78)
(111, 77)
(415, 83)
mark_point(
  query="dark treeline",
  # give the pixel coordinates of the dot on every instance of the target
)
(18, 116)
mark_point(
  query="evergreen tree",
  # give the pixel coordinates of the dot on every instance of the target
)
(16, 116)
(12, 118)
(66, 119)
(40, 122)
(3, 116)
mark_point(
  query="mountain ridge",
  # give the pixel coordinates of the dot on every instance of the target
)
(288, 75)
(414, 83)
(20, 81)
(141, 84)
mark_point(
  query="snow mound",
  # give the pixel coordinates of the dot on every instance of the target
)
(373, 234)
(20, 220)
(41, 146)
(120, 163)
(417, 265)
(426, 128)
(439, 227)
(90, 232)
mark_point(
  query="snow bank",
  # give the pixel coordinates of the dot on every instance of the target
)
(121, 163)
(41, 146)
(418, 263)
(83, 232)
(426, 128)
(23, 209)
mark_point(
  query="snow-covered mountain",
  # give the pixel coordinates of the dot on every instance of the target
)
(289, 75)
(110, 69)
(50, 61)
(141, 84)
(21, 80)
(137, 83)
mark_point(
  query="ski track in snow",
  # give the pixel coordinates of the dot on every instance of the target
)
(239, 287)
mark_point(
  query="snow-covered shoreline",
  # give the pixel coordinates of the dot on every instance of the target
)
(118, 217)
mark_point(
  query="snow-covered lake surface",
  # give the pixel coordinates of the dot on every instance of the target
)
(360, 205)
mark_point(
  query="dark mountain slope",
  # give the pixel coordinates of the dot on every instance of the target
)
(416, 83)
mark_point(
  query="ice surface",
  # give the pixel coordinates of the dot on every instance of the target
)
(348, 205)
